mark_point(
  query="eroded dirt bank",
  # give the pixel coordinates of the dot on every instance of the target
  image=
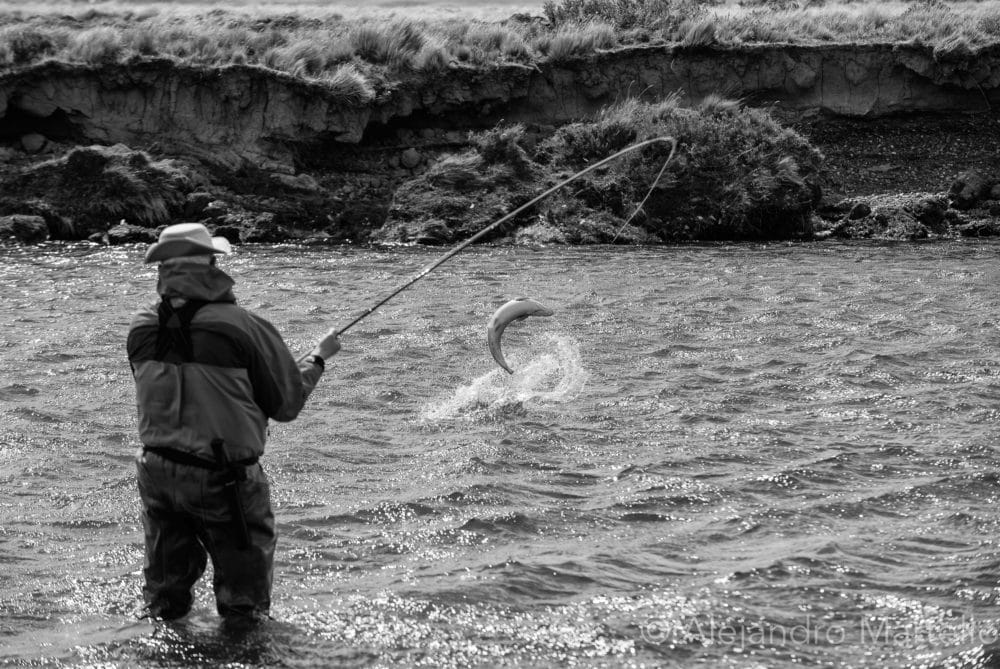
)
(266, 156)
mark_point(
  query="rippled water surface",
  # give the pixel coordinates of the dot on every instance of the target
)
(710, 456)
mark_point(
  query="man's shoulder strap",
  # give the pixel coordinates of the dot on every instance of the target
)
(175, 328)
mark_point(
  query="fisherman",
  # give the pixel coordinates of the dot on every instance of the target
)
(209, 374)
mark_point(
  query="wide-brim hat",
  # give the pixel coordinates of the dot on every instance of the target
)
(186, 239)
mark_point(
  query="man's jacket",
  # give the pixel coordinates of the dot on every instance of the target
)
(219, 376)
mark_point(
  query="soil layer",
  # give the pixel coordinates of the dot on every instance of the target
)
(901, 153)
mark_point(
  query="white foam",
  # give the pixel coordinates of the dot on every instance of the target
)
(551, 376)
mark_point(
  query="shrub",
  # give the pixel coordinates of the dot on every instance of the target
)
(737, 175)
(503, 144)
(93, 187)
(579, 144)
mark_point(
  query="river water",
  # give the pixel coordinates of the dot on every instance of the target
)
(745, 456)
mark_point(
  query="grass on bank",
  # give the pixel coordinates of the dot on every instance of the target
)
(357, 54)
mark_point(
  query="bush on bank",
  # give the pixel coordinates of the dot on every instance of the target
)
(737, 175)
(92, 187)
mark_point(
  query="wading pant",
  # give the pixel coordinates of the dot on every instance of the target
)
(188, 515)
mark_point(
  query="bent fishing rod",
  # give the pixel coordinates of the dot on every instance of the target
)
(492, 226)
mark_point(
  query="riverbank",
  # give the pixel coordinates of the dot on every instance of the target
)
(111, 143)
(904, 160)
(874, 174)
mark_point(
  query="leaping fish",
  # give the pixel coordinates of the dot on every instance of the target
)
(515, 310)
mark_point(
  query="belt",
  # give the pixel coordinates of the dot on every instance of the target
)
(192, 460)
(234, 475)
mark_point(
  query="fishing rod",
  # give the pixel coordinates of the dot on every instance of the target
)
(479, 235)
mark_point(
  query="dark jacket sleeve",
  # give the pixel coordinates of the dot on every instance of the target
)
(281, 385)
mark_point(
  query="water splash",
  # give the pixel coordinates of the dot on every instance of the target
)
(553, 376)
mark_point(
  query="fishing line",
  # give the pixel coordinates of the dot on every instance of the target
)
(673, 149)
(479, 235)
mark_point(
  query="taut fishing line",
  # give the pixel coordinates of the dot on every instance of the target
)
(673, 150)
(479, 235)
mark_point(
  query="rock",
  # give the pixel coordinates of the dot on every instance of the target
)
(968, 189)
(541, 232)
(858, 211)
(905, 216)
(302, 182)
(317, 239)
(410, 158)
(196, 203)
(23, 228)
(979, 228)
(258, 228)
(357, 220)
(126, 233)
(841, 230)
(433, 233)
(955, 218)
(230, 232)
(33, 142)
(930, 212)
(904, 228)
(834, 211)
(216, 209)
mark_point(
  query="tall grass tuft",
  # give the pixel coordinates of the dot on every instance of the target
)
(302, 59)
(662, 15)
(349, 85)
(432, 57)
(500, 40)
(21, 45)
(575, 41)
(700, 32)
(394, 44)
(97, 46)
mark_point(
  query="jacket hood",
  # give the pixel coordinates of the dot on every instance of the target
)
(195, 281)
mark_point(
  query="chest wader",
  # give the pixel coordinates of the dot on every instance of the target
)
(174, 336)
